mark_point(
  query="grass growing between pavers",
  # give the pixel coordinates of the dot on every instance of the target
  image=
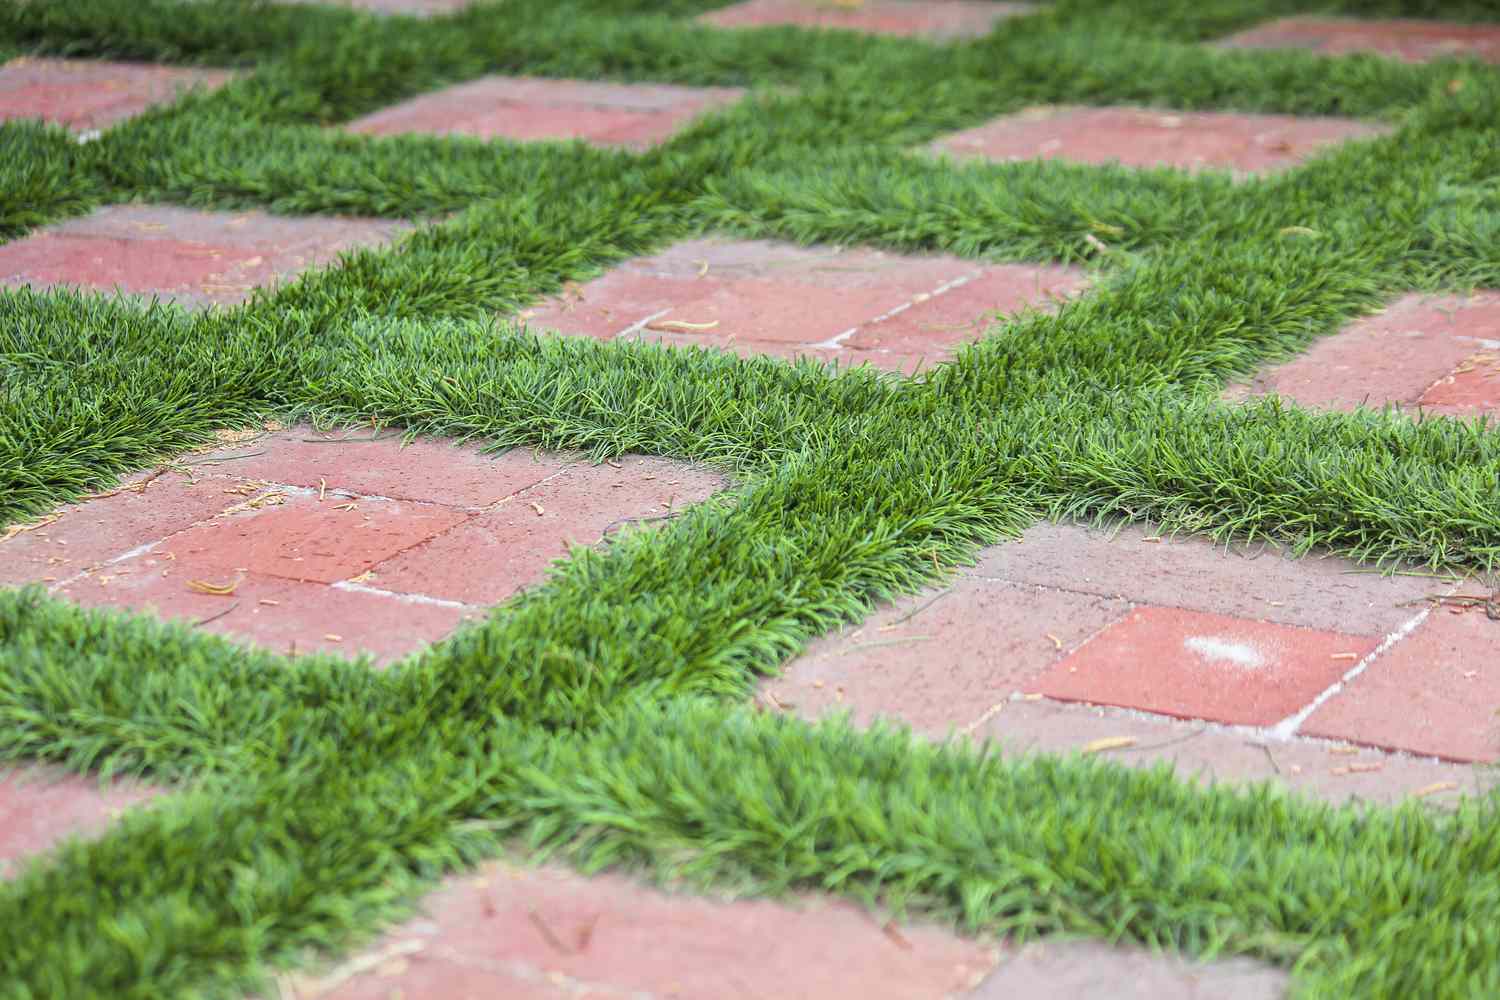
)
(599, 715)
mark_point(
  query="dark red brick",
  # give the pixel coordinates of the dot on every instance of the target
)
(632, 116)
(1393, 356)
(492, 555)
(86, 94)
(548, 933)
(1201, 666)
(182, 254)
(1139, 137)
(936, 19)
(1407, 40)
(40, 807)
(1433, 693)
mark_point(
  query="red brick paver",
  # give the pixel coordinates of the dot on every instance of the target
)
(301, 541)
(944, 20)
(546, 933)
(1408, 40)
(40, 807)
(1139, 137)
(84, 95)
(180, 254)
(1069, 970)
(630, 116)
(1435, 693)
(1436, 352)
(761, 297)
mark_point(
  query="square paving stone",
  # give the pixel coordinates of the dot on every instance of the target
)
(548, 933)
(1201, 666)
(42, 806)
(1434, 693)
(630, 116)
(944, 20)
(183, 255)
(1408, 40)
(84, 95)
(1140, 137)
(1403, 355)
(762, 297)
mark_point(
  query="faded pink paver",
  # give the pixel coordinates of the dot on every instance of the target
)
(41, 806)
(1434, 693)
(548, 933)
(761, 297)
(629, 116)
(1408, 40)
(944, 20)
(183, 255)
(1201, 666)
(1436, 352)
(1141, 137)
(83, 94)
(343, 542)
(1070, 970)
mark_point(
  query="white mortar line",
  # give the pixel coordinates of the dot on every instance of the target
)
(437, 602)
(638, 327)
(833, 343)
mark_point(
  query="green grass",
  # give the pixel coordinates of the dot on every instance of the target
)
(601, 716)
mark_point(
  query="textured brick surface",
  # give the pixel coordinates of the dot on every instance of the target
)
(84, 94)
(936, 19)
(633, 116)
(1408, 40)
(1138, 137)
(40, 807)
(182, 254)
(760, 297)
(490, 556)
(1470, 390)
(1435, 693)
(546, 933)
(1079, 970)
(1334, 772)
(1394, 356)
(1201, 666)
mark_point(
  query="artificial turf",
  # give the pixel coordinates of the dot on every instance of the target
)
(603, 714)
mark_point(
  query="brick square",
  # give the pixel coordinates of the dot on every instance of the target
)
(1434, 693)
(548, 933)
(1431, 351)
(42, 806)
(1065, 970)
(939, 20)
(492, 555)
(1141, 137)
(628, 116)
(182, 255)
(85, 95)
(1407, 40)
(1201, 666)
(761, 297)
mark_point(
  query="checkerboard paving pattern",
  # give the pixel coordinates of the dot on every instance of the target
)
(939, 20)
(346, 542)
(846, 305)
(617, 115)
(86, 95)
(183, 255)
(1140, 137)
(1407, 40)
(1437, 354)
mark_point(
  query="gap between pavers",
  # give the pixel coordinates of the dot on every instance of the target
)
(183, 255)
(1436, 353)
(86, 95)
(41, 806)
(935, 20)
(620, 115)
(292, 538)
(1405, 39)
(849, 305)
(1143, 137)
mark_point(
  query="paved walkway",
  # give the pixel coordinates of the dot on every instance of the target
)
(1237, 665)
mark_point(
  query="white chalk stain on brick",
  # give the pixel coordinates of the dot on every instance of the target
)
(1217, 650)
